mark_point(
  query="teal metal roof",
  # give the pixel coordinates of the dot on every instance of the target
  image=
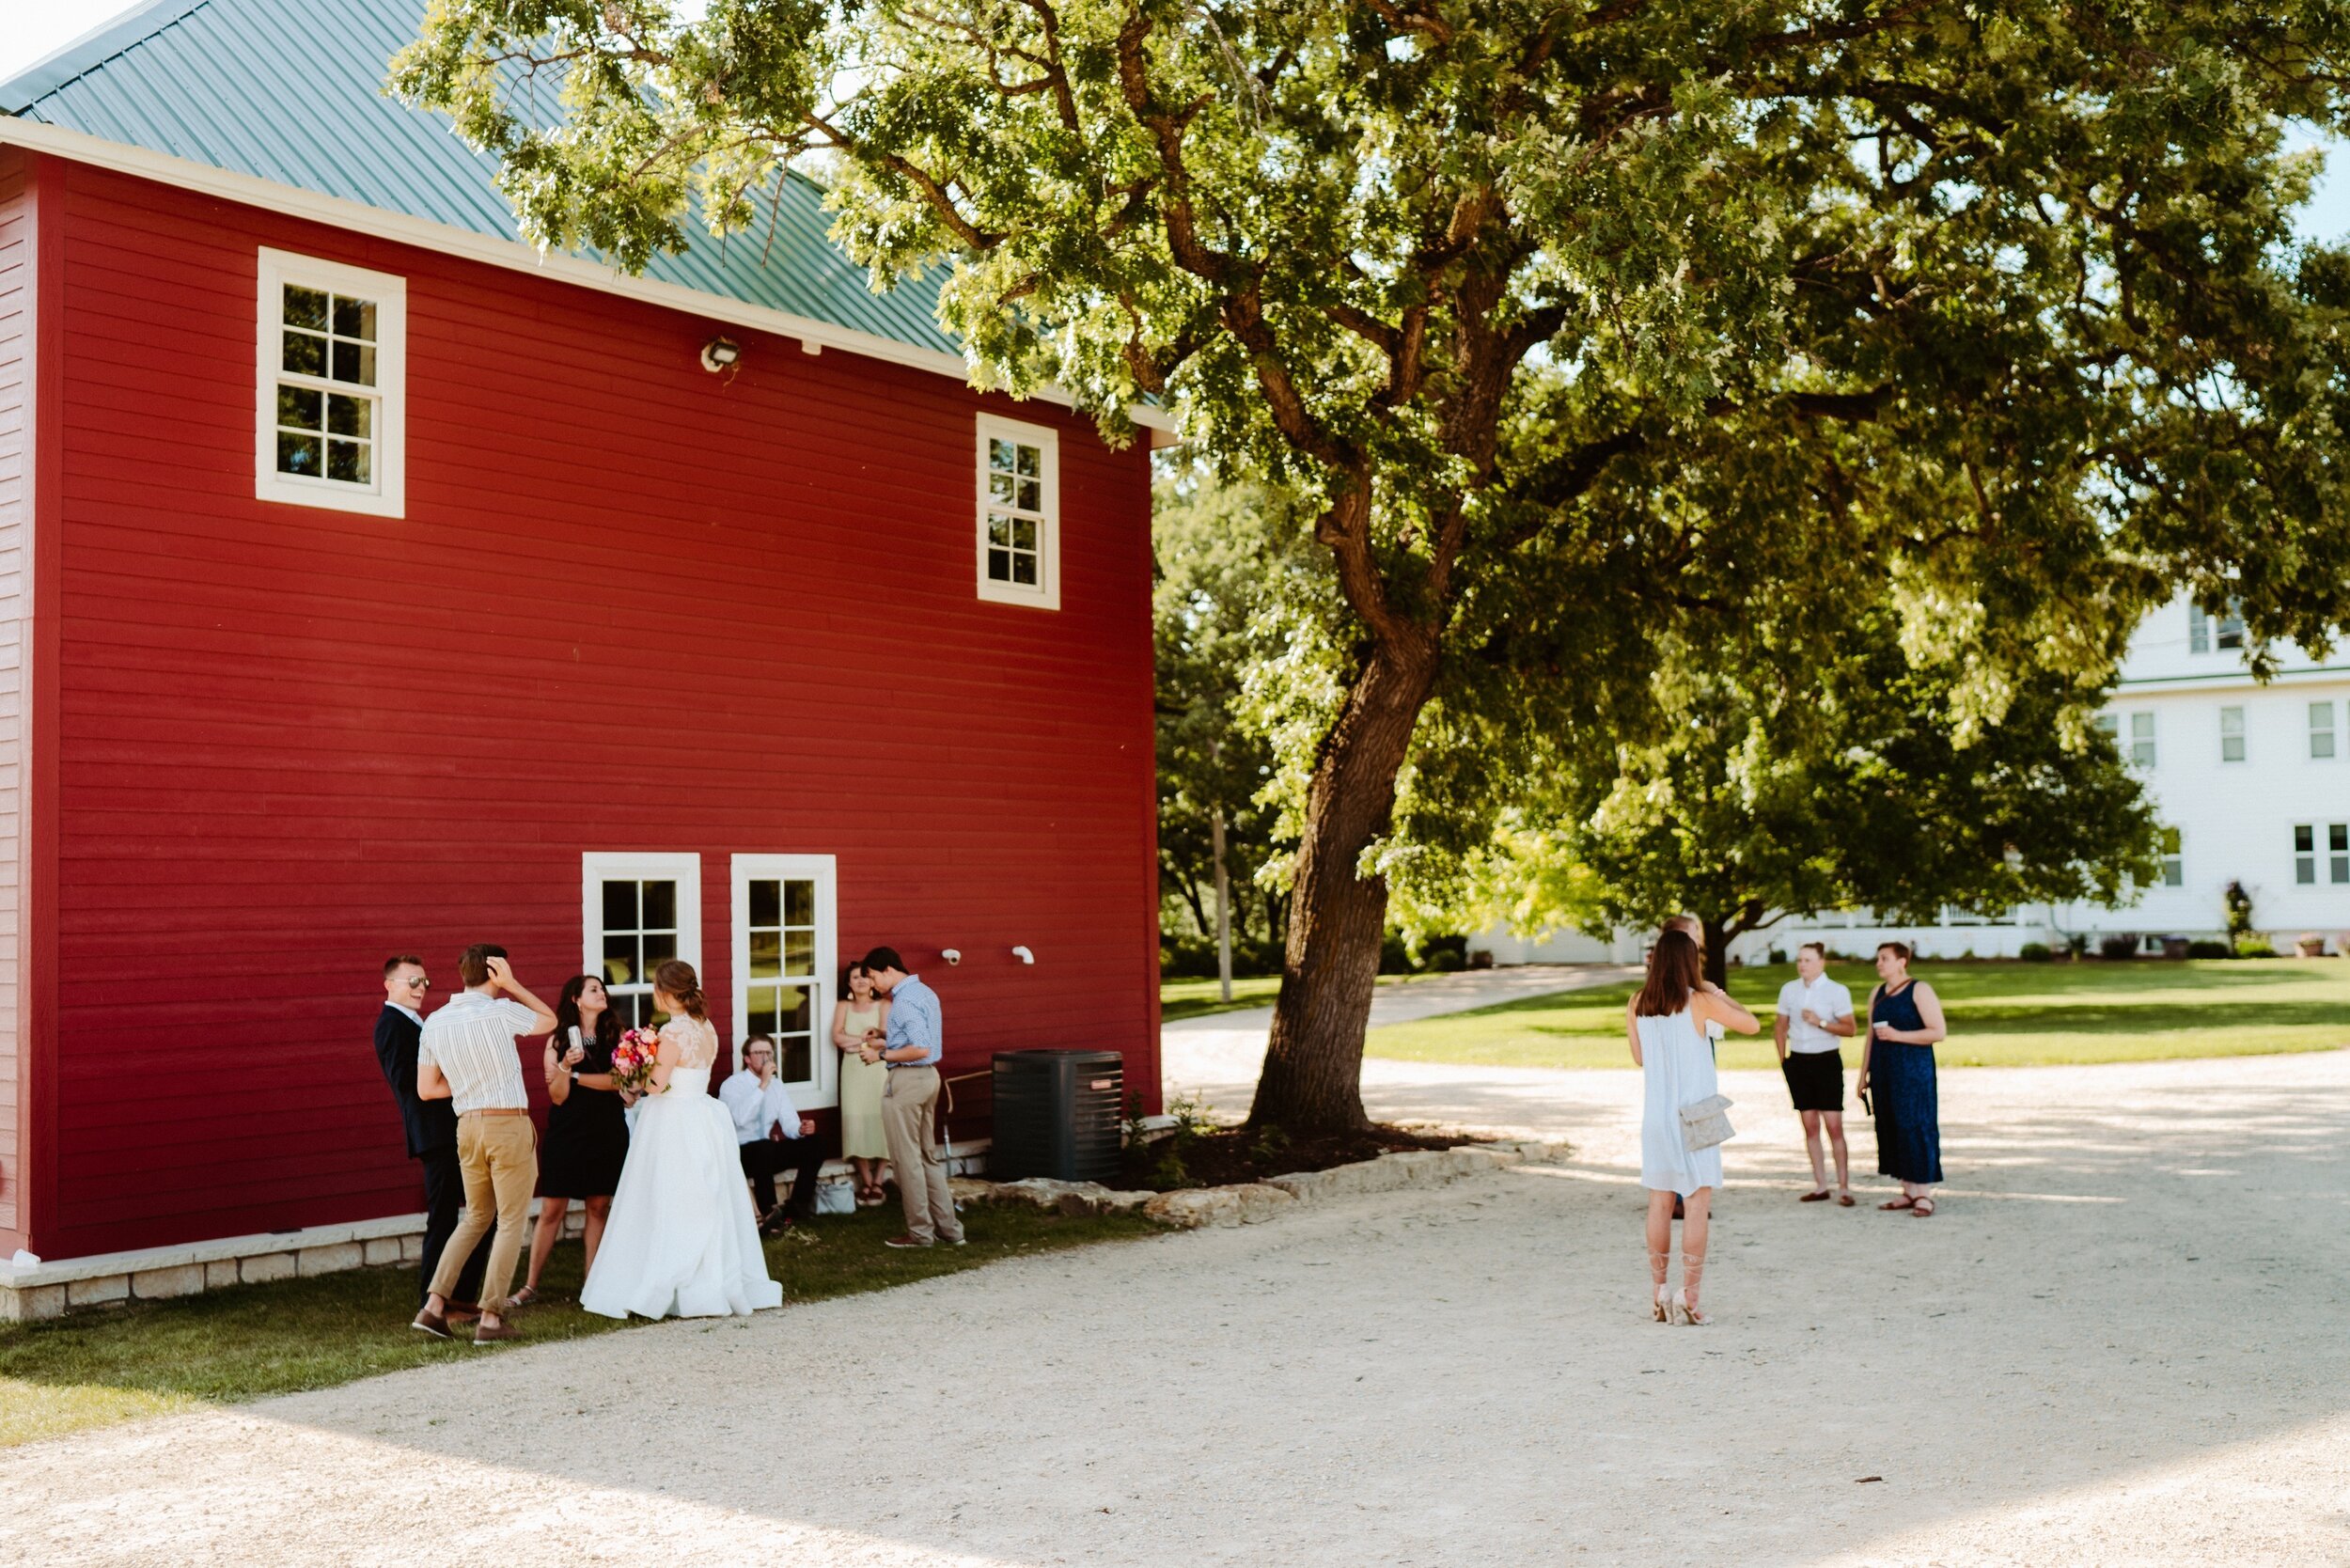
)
(290, 91)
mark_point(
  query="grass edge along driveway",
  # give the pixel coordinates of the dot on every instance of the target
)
(104, 1365)
(2001, 1014)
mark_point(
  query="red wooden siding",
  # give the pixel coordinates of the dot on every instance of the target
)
(16, 448)
(634, 606)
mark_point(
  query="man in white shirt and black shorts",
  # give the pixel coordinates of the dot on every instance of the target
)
(1814, 1013)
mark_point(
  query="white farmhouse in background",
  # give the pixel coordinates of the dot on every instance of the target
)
(2251, 780)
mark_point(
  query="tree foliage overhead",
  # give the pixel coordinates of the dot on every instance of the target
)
(1587, 332)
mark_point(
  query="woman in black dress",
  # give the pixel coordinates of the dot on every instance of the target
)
(587, 1138)
(1897, 1056)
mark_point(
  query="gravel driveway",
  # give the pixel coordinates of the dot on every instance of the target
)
(2122, 1340)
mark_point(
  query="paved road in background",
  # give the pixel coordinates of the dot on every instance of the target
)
(1216, 1059)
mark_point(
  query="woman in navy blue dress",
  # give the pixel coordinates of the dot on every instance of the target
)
(1896, 1057)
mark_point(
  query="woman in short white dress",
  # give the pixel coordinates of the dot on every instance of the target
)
(1666, 1025)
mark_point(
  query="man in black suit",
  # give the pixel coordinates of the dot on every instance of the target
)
(431, 1124)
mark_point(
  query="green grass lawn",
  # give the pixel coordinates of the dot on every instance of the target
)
(2001, 1015)
(251, 1340)
(1189, 998)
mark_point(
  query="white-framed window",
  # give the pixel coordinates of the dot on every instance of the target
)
(2305, 855)
(2201, 630)
(2322, 731)
(2173, 860)
(1019, 513)
(785, 963)
(2231, 734)
(636, 912)
(2143, 740)
(331, 349)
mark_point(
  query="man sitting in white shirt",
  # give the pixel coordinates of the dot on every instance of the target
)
(774, 1137)
(1814, 1012)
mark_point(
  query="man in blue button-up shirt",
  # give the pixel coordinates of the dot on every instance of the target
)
(910, 1102)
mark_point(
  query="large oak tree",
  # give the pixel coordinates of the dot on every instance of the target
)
(1586, 329)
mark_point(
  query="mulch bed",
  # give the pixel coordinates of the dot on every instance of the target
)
(1226, 1155)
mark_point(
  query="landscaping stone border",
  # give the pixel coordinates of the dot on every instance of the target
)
(41, 1288)
(1252, 1202)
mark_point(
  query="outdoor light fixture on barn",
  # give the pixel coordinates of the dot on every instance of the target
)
(721, 353)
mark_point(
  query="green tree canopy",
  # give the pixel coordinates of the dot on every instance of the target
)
(1586, 331)
(1835, 780)
(1221, 564)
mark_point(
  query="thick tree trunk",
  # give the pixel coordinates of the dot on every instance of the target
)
(1313, 1066)
(1716, 950)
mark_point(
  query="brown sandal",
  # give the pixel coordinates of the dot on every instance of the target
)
(1921, 1209)
(1820, 1197)
(1900, 1203)
(527, 1296)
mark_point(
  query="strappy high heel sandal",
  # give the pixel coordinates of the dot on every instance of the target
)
(1692, 1275)
(1657, 1263)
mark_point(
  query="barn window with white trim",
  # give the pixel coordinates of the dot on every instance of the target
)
(330, 344)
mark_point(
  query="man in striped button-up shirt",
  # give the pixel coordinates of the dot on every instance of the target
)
(468, 1056)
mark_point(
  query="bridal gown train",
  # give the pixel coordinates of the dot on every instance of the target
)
(681, 1240)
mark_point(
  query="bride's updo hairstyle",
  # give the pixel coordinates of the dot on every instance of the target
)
(678, 978)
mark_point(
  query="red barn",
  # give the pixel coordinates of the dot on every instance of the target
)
(369, 584)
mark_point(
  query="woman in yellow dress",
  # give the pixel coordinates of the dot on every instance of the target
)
(860, 1015)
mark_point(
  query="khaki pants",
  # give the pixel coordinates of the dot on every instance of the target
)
(908, 1102)
(500, 1156)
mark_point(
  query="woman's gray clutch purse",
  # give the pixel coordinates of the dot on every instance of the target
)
(1706, 1123)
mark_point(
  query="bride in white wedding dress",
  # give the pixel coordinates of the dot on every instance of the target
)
(681, 1240)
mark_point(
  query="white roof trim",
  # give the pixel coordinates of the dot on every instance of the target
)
(360, 218)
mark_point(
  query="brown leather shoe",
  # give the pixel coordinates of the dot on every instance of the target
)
(905, 1242)
(429, 1322)
(485, 1335)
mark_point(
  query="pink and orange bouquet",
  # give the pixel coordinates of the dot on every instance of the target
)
(632, 1060)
